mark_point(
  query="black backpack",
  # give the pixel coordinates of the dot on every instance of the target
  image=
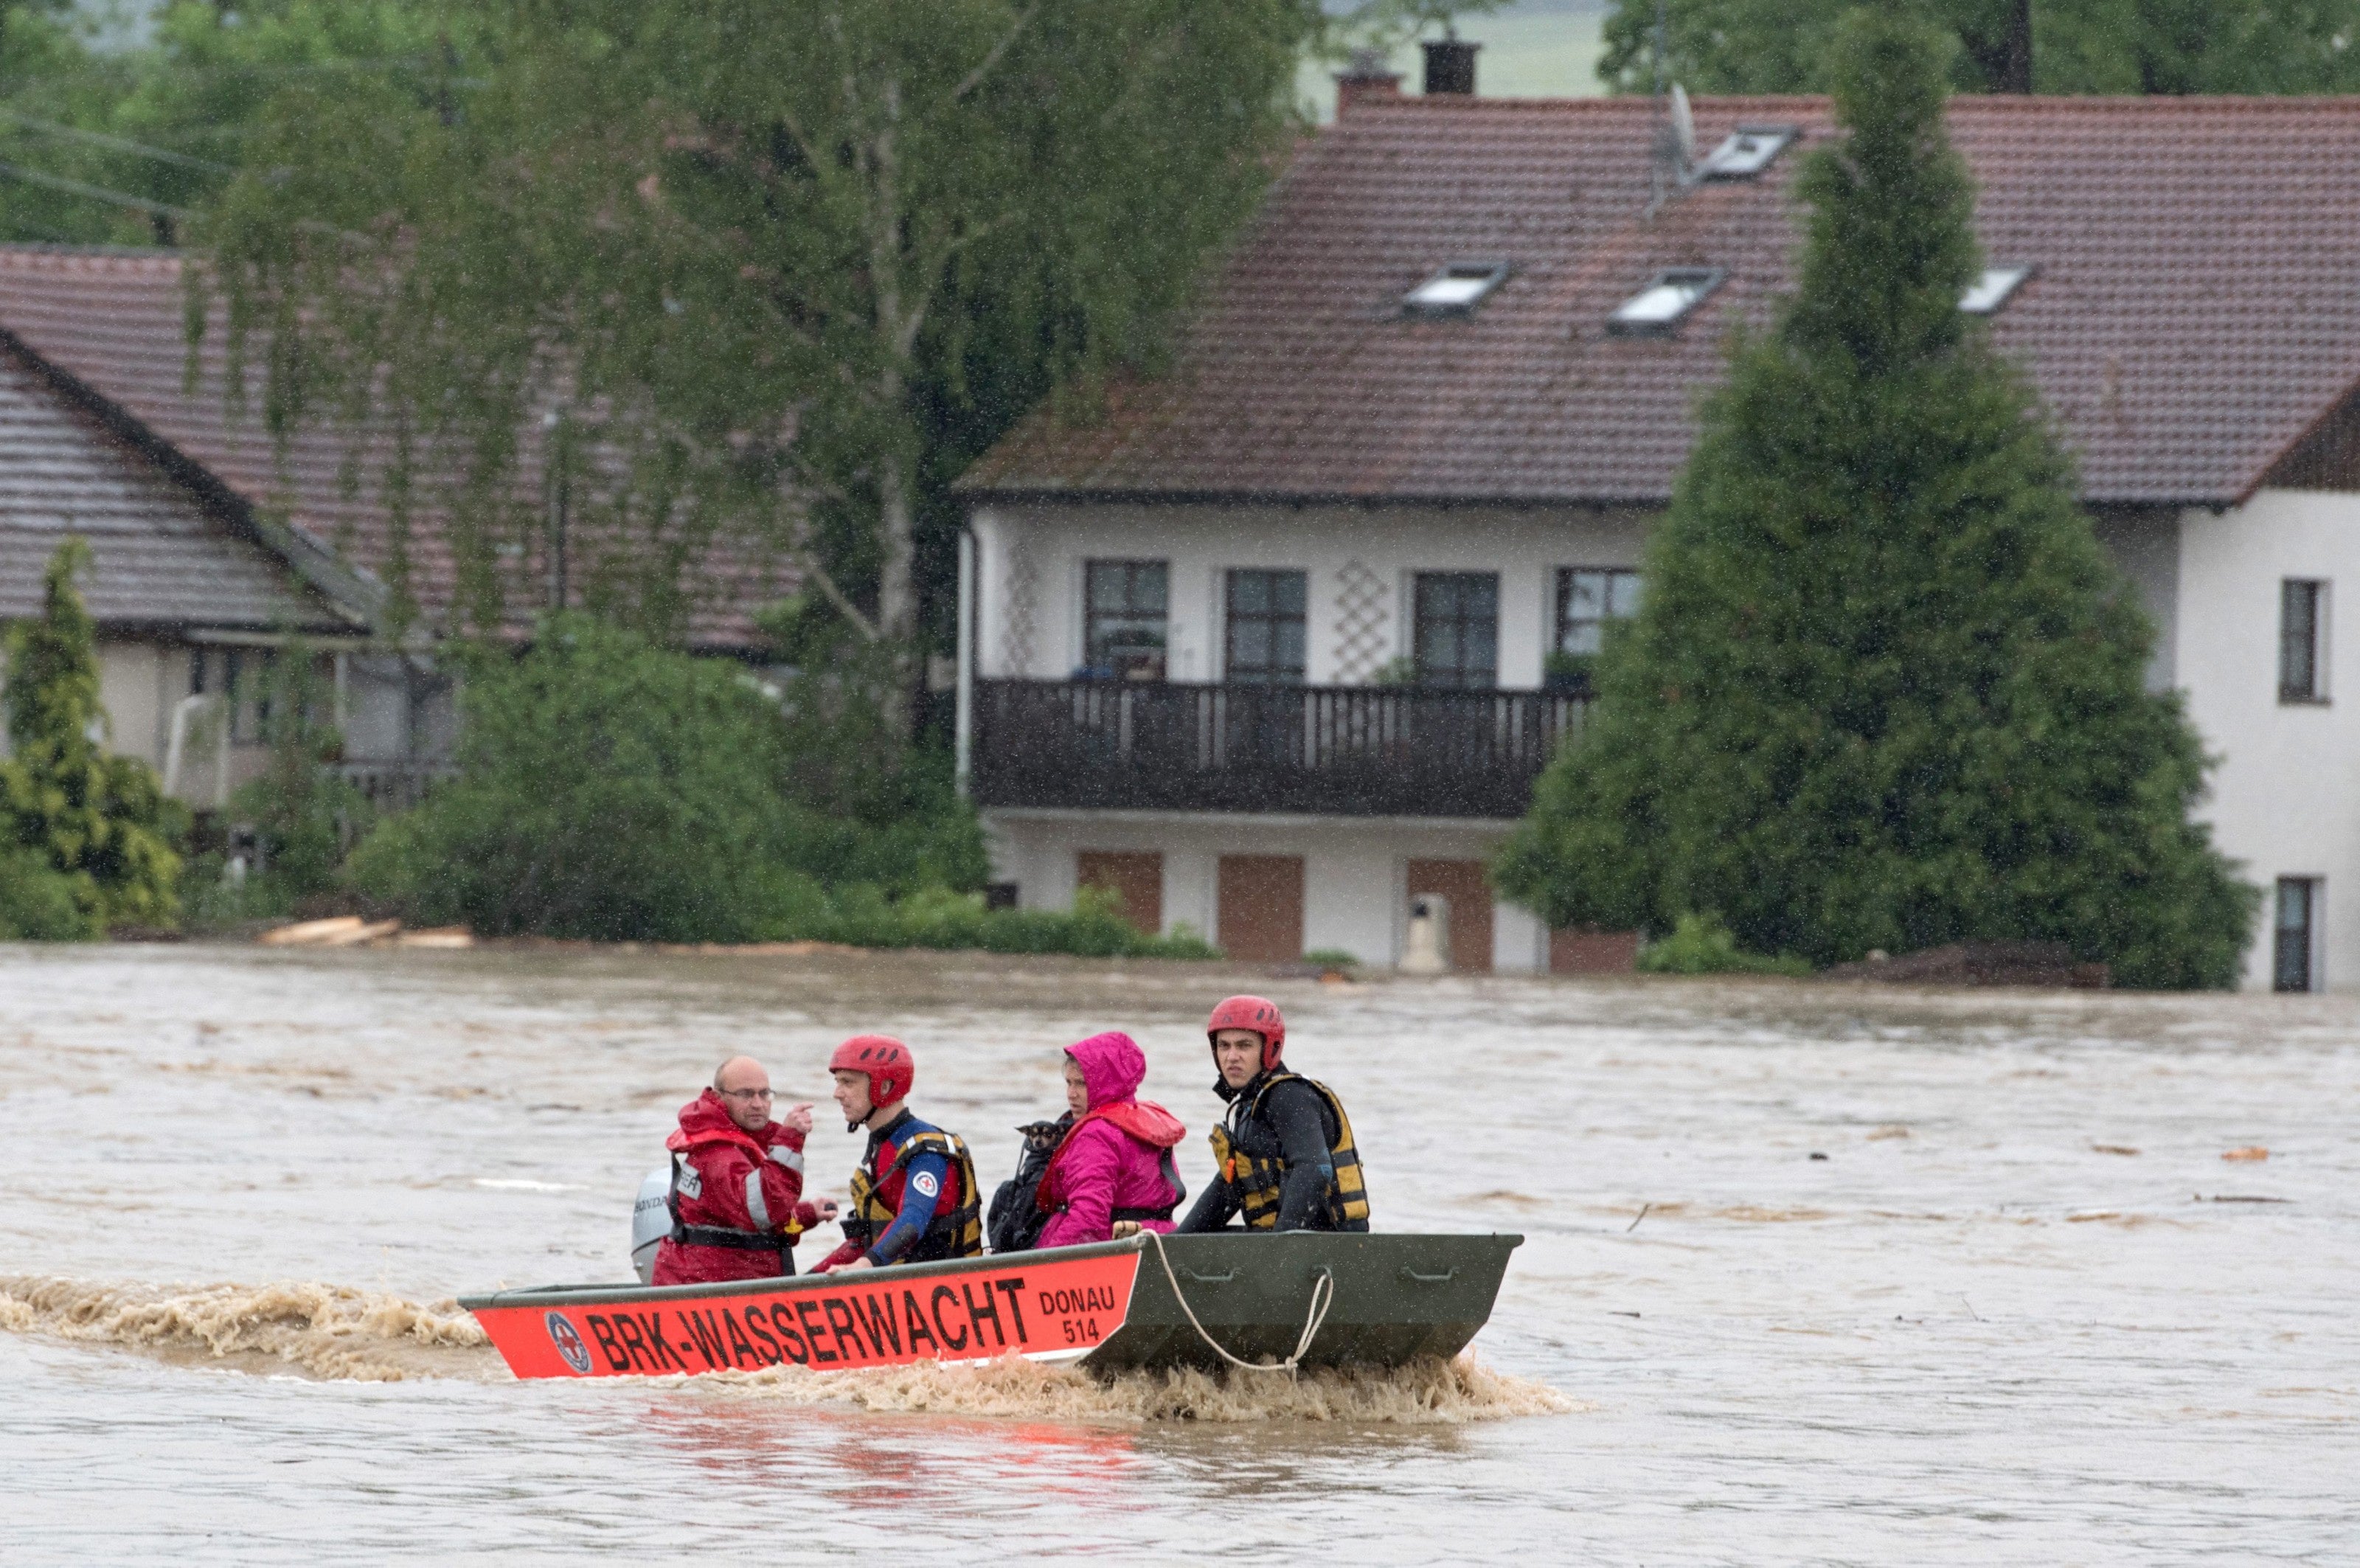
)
(1015, 1220)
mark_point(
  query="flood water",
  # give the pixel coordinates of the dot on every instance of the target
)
(2007, 1317)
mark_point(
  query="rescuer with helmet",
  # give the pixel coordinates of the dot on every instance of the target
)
(737, 1183)
(1284, 1159)
(914, 1197)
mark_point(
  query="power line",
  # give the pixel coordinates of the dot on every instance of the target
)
(95, 193)
(118, 143)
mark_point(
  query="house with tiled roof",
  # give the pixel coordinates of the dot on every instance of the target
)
(215, 545)
(1278, 644)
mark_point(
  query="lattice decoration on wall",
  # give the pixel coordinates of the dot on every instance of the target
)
(1017, 614)
(1361, 617)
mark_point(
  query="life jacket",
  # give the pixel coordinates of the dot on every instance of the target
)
(1257, 1178)
(685, 1177)
(1151, 1124)
(952, 1232)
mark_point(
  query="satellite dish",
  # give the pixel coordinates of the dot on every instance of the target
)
(1683, 128)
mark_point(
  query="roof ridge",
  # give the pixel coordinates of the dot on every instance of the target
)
(1998, 103)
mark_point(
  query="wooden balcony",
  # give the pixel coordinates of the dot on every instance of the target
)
(1328, 751)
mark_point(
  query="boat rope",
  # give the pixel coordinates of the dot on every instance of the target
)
(1323, 1296)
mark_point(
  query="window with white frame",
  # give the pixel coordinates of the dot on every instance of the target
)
(2302, 641)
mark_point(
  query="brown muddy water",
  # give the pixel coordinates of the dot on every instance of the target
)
(2009, 1317)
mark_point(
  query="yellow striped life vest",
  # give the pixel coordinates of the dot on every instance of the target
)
(1257, 1180)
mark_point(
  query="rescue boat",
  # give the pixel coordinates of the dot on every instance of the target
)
(1298, 1299)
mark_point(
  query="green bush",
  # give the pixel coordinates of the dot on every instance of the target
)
(607, 789)
(610, 790)
(304, 813)
(1886, 689)
(37, 901)
(864, 918)
(1700, 944)
(100, 822)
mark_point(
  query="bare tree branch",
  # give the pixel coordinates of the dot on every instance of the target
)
(974, 78)
(835, 596)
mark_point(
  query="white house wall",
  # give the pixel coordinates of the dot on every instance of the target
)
(1358, 561)
(1355, 870)
(2285, 796)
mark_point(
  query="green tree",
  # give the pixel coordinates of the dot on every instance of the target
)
(2047, 46)
(610, 789)
(153, 130)
(98, 820)
(1886, 689)
(735, 254)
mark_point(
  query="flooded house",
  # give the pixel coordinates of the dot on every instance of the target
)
(216, 548)
(1276, 647)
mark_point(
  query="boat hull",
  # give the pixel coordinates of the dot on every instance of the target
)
(1110, 1306)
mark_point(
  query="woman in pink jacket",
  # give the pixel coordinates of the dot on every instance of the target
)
(1115, 1162)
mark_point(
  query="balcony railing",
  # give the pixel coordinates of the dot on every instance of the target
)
(1333, 751)
(394, 786)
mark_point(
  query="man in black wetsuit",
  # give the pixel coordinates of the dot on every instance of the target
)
(1284, 1159)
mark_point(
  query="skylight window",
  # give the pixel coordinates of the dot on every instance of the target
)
(1745, 152)
(1456, 289)
(1987, 294)
(1664, 303)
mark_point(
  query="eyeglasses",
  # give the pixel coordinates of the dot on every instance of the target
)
(743, 1094)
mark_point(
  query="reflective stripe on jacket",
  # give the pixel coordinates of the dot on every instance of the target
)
(736, 1198)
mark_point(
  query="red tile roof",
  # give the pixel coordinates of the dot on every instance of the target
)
(2196, 308)
(113, 322)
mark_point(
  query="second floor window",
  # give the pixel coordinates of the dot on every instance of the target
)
(2302, 643)
(1457, 630)
(1125, 618)
(1265, 628)
(1587, 599)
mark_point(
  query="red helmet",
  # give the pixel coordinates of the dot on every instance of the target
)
(1258, 1014)
(885, 1060)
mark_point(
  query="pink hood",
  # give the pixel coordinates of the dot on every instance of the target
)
(1113, 1067)
(1116, 1157)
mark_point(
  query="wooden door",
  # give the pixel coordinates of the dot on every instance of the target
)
(1461, 882)
(1260, 908)
(1134, 877)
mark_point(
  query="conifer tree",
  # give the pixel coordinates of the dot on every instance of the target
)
(1886, 689)
(101, 821)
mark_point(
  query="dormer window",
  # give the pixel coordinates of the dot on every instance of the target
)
(1665, 303)
(1745, 152)
(1455, 291)
(1987, 294)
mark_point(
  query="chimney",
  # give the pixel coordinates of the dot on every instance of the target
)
(1365, 81)
(1450, 66)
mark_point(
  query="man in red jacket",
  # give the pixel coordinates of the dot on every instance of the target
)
(737, 1183)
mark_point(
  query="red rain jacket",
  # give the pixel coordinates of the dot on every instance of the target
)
(736, 1179)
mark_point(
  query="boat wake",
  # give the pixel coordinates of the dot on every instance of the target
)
(335, 1331)
(1422, 1393)
(327, 1330)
